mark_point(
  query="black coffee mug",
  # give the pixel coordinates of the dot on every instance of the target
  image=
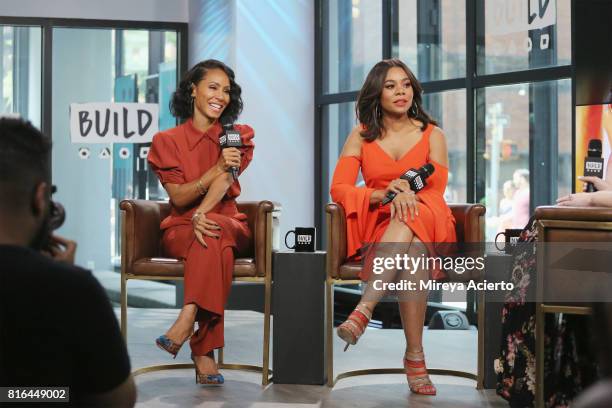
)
(304, 239)
(511, 239)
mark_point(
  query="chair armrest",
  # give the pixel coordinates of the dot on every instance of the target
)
(140, 232)
(553, 212)
(469, 222)
(259, 213)
(336, 238)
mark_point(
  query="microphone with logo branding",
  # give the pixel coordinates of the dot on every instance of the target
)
(416, 179)
(593, 163)
(230, 137)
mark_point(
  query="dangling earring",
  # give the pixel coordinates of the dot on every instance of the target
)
(414, 109)
(192, 104)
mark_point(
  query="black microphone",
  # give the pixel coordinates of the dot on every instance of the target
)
(593, 163)
(416, 179)
(230, 138)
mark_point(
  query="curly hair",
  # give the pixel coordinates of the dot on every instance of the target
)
(181, 104)
(368, 108)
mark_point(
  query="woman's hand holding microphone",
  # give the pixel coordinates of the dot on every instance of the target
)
(230, 157)
(600, 184)
(585, 199)
(405, 200)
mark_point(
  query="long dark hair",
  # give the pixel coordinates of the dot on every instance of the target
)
(368, 109)
(181, 104)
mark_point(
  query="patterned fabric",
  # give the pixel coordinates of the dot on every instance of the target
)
(568, 363)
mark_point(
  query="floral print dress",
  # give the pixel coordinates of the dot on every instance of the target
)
(568, 363)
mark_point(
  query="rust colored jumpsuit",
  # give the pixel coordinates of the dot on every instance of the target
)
(181, 155)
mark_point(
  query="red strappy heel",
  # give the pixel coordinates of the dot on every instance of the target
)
(416, 373)
(354, 326)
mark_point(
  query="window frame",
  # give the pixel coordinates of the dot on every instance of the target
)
(472, 82)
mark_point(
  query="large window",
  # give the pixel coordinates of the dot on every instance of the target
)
(496, 76)
(352, 41)
(20, 72)
(520, 35)
(45, 65)
(432, 38)
(511, 143)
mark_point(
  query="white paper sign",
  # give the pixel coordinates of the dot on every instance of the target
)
(113, 122)
(519, 16)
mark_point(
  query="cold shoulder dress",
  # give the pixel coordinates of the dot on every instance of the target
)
(367, 223)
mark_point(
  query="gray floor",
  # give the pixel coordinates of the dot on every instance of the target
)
(378, 348)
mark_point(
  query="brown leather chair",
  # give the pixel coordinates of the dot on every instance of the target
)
(141, 258)
(470, 228)
(573, 226)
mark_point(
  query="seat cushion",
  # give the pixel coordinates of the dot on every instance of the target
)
(174, 268)
(166, 267)
(244, 267)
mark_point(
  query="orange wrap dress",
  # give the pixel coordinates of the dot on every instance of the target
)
(181, 155)
(367, 223)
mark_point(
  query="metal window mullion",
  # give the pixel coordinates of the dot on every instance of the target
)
(320, 38)
(519, 77)
(573, 78)
(46, 108)
(470, 74)
(340, 97)
(387, 29)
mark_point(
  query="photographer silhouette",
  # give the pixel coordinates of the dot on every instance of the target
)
(58, 328)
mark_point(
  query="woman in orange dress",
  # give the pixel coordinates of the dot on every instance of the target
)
(394, 135)
(204, 227)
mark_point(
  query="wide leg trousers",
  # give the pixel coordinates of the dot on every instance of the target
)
(208, 274)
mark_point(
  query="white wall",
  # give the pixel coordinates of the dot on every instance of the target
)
(270, 45)
(137, 10)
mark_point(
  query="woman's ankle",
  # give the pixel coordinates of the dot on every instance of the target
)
(207, 364)
(414, 352)
(365, 308)
(181, 330)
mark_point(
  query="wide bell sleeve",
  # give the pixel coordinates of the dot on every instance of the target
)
(164, 160)
(355, 201)
(433, 197)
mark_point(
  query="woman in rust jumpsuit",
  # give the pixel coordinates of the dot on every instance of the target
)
(204, 227)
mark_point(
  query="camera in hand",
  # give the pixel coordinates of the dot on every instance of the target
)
(593, 163)
(54, 219)
(57, 213)
(416, 178)
(230, 138)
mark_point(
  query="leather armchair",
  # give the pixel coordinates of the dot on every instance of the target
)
(573, 226)
(141, 258)
(470, 229)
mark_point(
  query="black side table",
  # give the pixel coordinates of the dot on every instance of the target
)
(298, 307)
